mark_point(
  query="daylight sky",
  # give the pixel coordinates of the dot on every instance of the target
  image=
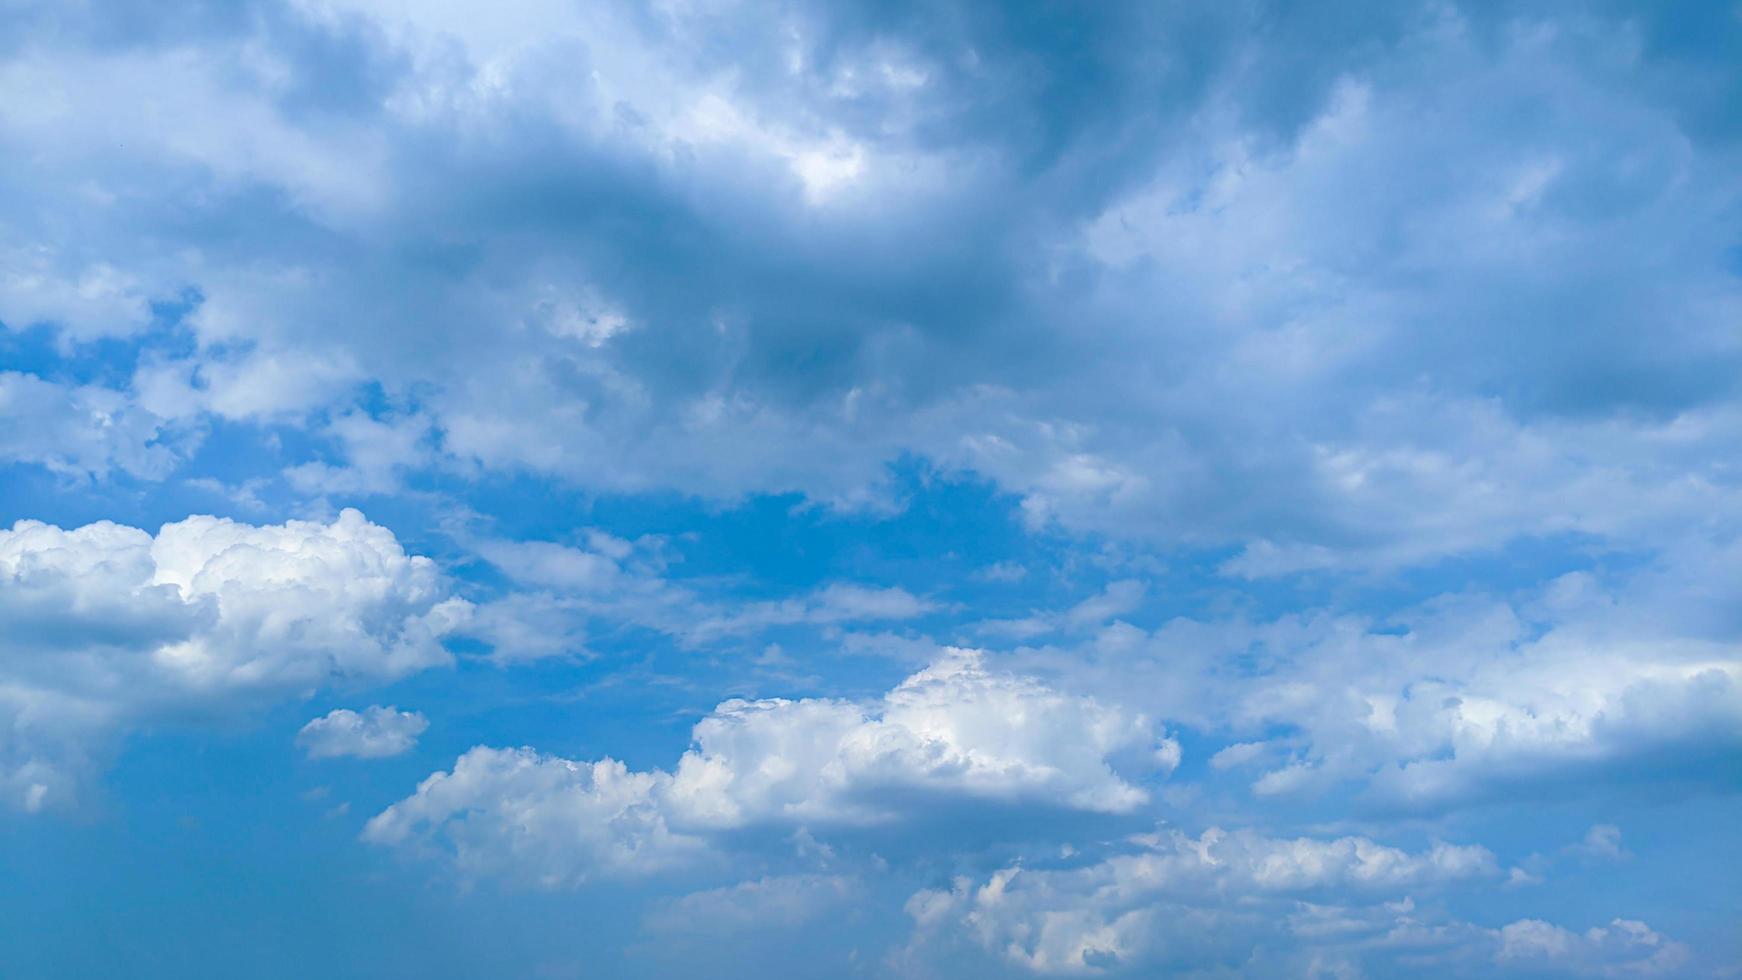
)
(553, 489)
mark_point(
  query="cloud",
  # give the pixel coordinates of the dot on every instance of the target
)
(1117, 599)
(109, 624)
(1238, 754)
(523, 627)
(531, 816)
(1164, 302)
(1623, 948)
(377, 452)
(953, 731)
(1602, 843)
(617, 581)
(556, 566)
(841, 602)
(1279, 322)
(1259, 905)
(376, 733)
(86, 431)
(1584, 681)
(44, 285)
(1128, 909)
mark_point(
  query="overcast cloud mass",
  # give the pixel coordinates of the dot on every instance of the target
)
(565, 489)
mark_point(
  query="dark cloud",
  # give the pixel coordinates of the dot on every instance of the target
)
(1195, 274)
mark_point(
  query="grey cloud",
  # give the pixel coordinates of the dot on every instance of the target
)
(1196, 277)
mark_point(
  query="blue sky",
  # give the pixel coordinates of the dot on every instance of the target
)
(570, 490)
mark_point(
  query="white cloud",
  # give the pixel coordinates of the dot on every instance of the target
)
(376, 451)
(531, 816)
(1567, 712)
(377, 732)
(847, 602)
(39, 285)
(522, 627)
(1454, 700)
(556, 566)
(954, 730)
(832, 604)
(300, 602)
(1239, 754)
(1623, 948)
(623, 582)
(1117, 599)
(182, 110)
(1256, 905)
(1371, 329)
(110, 623)
(1130, 907)
(82, 431)
(263, 384)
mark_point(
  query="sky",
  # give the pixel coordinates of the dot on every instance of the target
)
(552, 489)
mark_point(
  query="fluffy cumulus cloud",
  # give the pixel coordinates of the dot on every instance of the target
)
(554, 821)
(108, 624)
(1585, 681)
(956, 731)
(955, 728)
(1550, 713)
(374, 733)
(1246, 904)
